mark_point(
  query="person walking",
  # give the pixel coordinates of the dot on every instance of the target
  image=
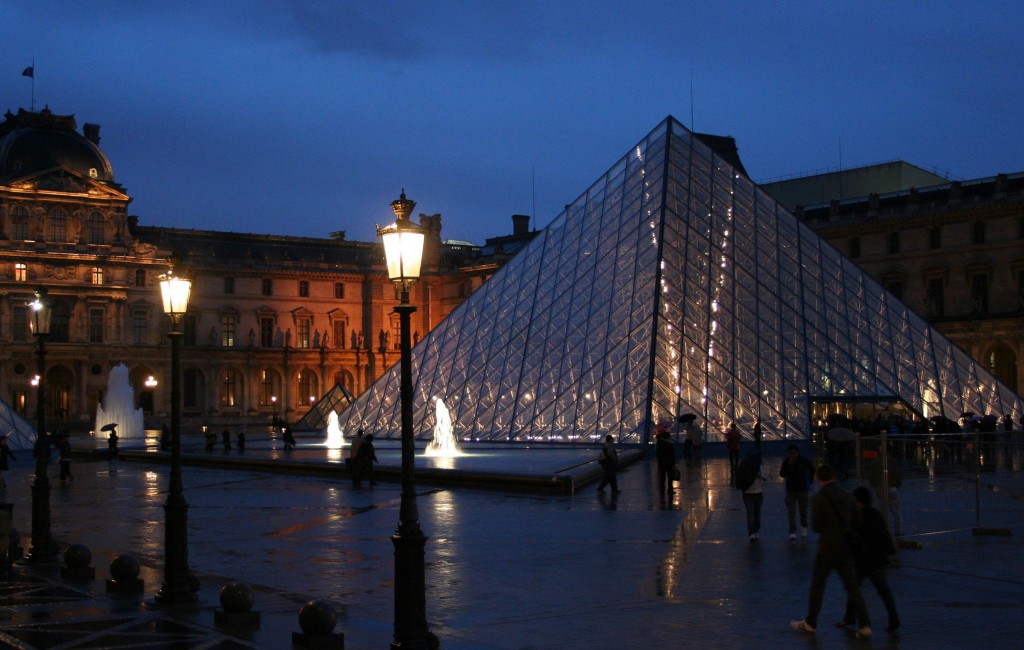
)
(798, 475)
(887, 487)
(834, 516)
(750, 479)
(757, 434)
(665, 451)
(732, 443)
(64, 455)
(694, 441)
(225, 437)
(287, 437)
(6, 456)
(874, 557)
(362, 464)
(608, 458)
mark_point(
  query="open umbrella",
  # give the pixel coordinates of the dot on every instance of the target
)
(687, 417)
(109, 427)
(840, 434)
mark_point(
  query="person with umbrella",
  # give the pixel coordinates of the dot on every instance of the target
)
(694, 438)
(111, 430)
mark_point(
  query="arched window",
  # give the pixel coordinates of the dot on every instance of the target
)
(58, 226)
(230, 388)
(270, 386)
(1002, 361)
(94, 229)
(308, 387)
(19, 223)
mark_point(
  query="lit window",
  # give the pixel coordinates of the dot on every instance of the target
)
(20, 272)
(305, 332)
(227, 331)
(97, 275)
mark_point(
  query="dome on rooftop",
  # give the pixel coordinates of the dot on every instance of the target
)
(34, 142)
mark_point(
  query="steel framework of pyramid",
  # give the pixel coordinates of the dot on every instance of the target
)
(675, 284)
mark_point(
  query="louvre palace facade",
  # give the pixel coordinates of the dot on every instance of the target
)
(951, 250)
(273, 323)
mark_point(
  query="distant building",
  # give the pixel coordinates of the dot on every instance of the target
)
(953, 251)
(274, 322)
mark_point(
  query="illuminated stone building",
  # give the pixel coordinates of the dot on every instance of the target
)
(951, 250)
(273, 323)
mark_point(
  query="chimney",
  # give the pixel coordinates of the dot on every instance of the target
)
(520, 224)
(91, 133)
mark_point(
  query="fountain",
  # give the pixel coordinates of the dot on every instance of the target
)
(443, 445)
(118, 407)
(335, 436)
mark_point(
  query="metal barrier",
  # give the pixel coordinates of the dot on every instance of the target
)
(981, 458)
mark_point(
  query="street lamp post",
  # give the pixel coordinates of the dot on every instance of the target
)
(178, 585)
(44, 549)
(403, 248)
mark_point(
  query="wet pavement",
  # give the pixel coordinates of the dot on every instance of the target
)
(507, 570)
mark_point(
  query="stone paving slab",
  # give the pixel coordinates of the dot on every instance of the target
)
(513, 571)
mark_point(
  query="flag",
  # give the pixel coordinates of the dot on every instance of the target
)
(29, 72)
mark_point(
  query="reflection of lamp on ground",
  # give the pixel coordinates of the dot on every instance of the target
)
(273, 404)
(178, 585)
(403, 249)
(44, 549)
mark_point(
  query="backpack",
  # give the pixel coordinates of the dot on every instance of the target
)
(747, 471)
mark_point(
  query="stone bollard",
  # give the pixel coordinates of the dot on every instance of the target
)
(317, 619)
(77, 558)
(237, 599)
(124, 572)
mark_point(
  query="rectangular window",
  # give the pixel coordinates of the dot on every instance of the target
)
(978, 233)
(304, 288)
(266, 332)
(20, 272)
(936, 298)
(97, 275)
(339, 334)
(935, 237)
(305, 329)
(854, 247)
(227, 331)
(339, 289)
(229, 285)
(140, 278)
(19, 323)
(979, 293)
(894, 243)
(96, 326)
(139, 327)
(267, 287)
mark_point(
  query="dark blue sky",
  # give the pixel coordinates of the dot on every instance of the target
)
(302, 118)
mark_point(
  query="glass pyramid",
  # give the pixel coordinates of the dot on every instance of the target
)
(337, 399)
(673, 285)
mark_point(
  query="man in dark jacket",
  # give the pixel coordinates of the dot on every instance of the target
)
(873, 559)
(833, 516)
(798, 473)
